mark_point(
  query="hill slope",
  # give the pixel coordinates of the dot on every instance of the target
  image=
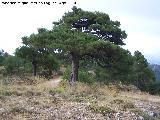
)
(49, 100)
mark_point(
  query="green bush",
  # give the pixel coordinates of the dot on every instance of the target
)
(83, 76)
(16, 65)
(57, 90)
(66, 75)
(27, 67)
(154, 88)
(12, 64)
(102, 75)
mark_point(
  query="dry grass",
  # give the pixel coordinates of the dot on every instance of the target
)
(90, 89)
(24, 101)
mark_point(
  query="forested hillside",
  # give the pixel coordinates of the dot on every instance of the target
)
(156, 70)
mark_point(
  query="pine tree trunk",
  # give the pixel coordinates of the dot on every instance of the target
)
(74, 67)
(34, 64)
(34, 70)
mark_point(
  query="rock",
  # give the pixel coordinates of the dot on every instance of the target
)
(140, 118)
(118, 114)
(153, 114)
(2, 110)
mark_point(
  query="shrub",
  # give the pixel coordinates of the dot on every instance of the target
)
(12, 64)
(57, 90)
(45, 74)
(154, 88)
(83, 76)
(7, 80)
(128, 105)
(100, 109)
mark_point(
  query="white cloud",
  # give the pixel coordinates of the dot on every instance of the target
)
(147, 44)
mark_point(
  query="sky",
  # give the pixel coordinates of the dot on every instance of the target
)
(139, 18)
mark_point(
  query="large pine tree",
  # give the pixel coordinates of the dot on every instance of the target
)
(78, 34)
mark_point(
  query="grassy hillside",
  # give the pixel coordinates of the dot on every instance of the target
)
(38, 99)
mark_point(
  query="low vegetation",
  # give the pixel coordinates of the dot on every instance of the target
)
(82, 101)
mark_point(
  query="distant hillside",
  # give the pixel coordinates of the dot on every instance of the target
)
(156, 69)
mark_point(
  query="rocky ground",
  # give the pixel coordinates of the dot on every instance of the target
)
(51, 100)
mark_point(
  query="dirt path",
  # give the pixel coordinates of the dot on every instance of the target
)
(54, 82)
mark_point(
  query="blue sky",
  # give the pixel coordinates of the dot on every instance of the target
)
(139, 18)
